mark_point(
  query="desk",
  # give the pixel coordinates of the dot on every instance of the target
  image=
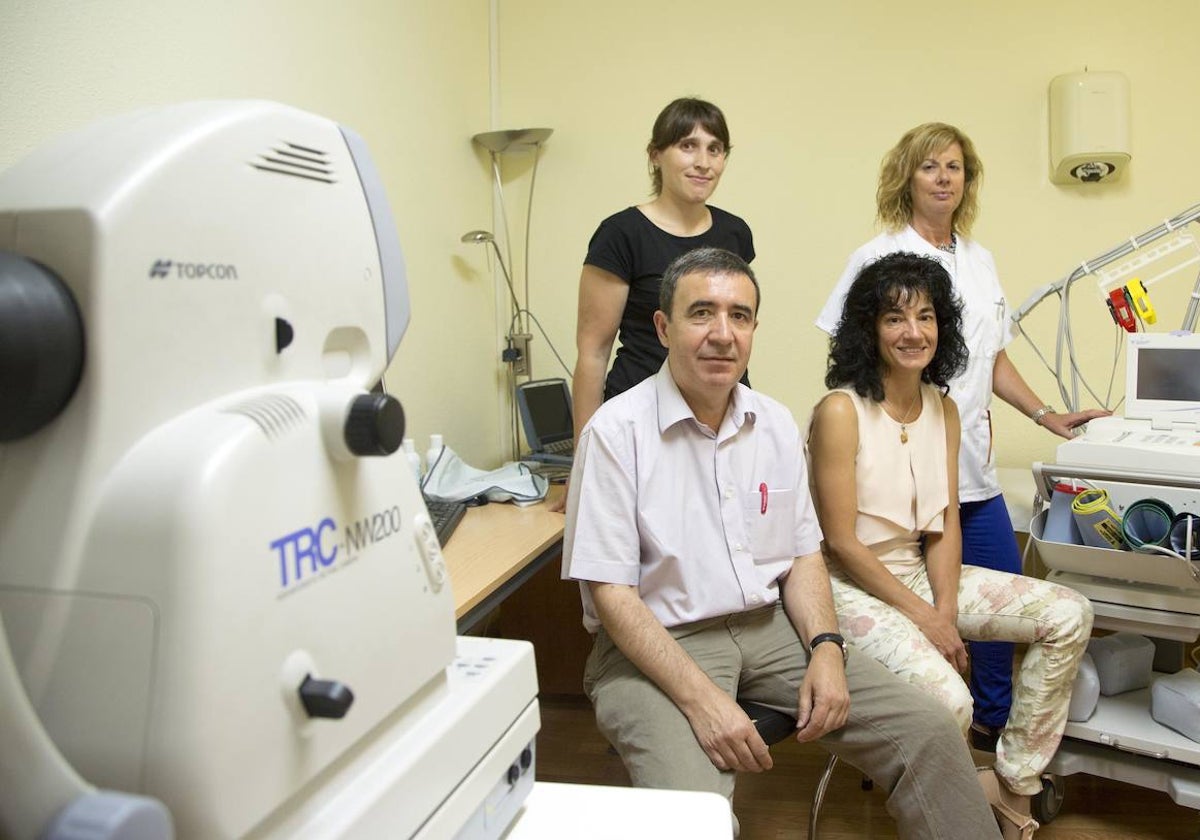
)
(597, 812)
(1019, 488)
(497, 548)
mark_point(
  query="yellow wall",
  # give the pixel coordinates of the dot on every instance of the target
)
(815, 93)
(411, 76)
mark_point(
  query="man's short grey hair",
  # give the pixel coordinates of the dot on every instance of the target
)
(704, 261)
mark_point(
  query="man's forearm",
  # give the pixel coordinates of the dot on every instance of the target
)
(808, 597)
(823, 699)
(721, 727)
(647, 644)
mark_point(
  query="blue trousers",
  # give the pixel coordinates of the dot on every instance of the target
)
(988, 541)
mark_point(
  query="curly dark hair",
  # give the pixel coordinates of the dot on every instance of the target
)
(878, 288)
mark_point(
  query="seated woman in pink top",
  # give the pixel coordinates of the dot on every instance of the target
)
(883, 461)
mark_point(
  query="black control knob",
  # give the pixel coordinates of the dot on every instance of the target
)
(284, 335)
(374, 425)
(41, 346)
(325, 698)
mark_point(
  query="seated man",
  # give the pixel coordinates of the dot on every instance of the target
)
(691, 530)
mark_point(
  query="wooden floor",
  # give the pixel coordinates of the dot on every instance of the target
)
(775, 805)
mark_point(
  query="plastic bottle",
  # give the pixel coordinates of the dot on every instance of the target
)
(414, 458)
(434, 453)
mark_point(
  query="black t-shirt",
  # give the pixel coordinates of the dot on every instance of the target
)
(638, 251)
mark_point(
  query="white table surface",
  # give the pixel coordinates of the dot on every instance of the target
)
(1019, 489)
(599, 812)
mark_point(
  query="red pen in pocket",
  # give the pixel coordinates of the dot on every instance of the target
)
(762, 491)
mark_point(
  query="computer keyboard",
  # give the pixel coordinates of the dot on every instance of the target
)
(561, 447)
(445, 516)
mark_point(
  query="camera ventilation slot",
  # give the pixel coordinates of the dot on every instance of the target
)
(274, 414)
(297, 161)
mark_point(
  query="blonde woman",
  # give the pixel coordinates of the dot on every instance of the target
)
(927, 202)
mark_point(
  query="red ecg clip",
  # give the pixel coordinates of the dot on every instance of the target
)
(762, 491)
(1121, 311)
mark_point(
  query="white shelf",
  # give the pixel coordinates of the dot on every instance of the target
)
(1179, 781)
(1123, 722)
(1154, 595)
(1137, 608)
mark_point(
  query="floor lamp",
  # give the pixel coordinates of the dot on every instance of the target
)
(518, 334)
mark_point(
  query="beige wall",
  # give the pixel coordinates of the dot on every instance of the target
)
(411, 76)
(815, 92)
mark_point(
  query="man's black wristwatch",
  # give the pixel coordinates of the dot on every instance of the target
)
(836, 638)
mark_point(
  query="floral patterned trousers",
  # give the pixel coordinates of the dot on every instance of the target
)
(1053, 620)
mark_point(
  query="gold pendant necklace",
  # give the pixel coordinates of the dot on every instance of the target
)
(903, 419)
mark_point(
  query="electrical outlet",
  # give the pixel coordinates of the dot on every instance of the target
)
(520, 343)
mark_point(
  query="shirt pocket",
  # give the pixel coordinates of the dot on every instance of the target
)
(770, 517)
(983, 330)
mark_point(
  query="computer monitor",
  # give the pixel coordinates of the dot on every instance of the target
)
(1162, 378)
(545, 407)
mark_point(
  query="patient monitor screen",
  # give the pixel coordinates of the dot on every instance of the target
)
(1169, 374)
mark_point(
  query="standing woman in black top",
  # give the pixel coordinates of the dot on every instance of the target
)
(618, 291)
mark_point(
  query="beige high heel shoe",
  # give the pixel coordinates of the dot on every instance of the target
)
(1011, 809)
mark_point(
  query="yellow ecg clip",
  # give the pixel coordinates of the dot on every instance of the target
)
(1140, 301)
